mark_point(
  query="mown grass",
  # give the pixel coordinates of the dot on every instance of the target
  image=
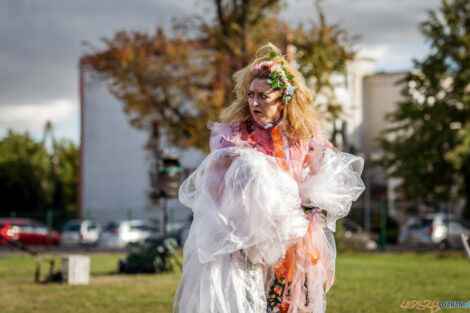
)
(365, 283)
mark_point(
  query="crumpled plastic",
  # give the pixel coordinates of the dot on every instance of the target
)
(247, 212)
(335, 185)
(241, 199)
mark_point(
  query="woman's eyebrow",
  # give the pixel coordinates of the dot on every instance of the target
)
(260, 92)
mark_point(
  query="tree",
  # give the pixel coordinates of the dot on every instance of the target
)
(67, 155)
(427, 142)
(175, 85)
(23, 166)
(324, 50)
(26, 183)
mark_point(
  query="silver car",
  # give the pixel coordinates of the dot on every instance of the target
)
(438, 229)
(80, 232)
(124, 234)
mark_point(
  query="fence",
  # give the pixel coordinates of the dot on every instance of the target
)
(52, 218)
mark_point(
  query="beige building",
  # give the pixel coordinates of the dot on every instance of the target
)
(366, 97)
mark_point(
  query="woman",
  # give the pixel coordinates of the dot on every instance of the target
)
(260, 241)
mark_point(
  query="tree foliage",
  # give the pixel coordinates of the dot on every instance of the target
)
(324, 49)
(23, 164)
(175, 84)
(26, 183)
(427, 144)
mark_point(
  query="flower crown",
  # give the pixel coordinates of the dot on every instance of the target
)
(279, 78)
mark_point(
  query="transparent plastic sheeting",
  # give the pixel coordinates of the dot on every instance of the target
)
(247, 212)
(334, 186)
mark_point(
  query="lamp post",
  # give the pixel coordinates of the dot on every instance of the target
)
(166, 180)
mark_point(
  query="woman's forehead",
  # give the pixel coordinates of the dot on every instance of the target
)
(260, 85)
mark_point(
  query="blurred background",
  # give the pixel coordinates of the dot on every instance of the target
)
(104, 108)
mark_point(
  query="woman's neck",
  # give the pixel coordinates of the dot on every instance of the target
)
(267, 125)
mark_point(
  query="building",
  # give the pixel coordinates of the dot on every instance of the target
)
(114, 179)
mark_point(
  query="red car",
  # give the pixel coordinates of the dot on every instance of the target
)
(27, 231)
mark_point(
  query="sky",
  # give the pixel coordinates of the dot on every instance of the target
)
(41, 42)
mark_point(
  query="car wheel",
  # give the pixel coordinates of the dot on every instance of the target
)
(443, 245)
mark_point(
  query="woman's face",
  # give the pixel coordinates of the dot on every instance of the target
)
(265, 103)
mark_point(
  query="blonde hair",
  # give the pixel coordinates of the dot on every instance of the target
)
(300, 118)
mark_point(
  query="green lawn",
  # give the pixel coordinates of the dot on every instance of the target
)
(365, 283)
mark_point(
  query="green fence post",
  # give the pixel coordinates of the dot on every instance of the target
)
(49, 218)
(383, 224)
(129, 214)
(49, 222)
(13, 214)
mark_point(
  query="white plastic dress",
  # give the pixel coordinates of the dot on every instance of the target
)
(247, 214)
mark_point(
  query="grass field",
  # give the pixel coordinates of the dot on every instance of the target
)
(365, 283)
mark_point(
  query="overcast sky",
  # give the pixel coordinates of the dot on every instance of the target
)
(41, 43)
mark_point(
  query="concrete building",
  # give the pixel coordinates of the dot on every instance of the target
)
(114, 179)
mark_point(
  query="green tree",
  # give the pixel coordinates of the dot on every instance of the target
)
(24, 164)
(26, 183)
(427, 143)
(67, 155)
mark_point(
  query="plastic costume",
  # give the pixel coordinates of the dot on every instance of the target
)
(255, 244)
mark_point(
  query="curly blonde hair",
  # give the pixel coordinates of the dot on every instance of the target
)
(300, 118)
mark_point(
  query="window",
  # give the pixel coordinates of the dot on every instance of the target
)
(72, 227)
(143, 227)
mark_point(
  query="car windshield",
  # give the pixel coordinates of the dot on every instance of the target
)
(349, 226)
(72, 227)
(464, 223)
(426, 222)
(144, 228)
(111, 227)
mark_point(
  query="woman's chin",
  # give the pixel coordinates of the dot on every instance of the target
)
(258, 117)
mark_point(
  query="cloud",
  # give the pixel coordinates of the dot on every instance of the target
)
(33, 117)
(394, 57)
(40, 42)
(376, 52)
(376, 21)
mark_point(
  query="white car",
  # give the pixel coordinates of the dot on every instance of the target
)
(124, 234)
(80, 232)
(435, 229)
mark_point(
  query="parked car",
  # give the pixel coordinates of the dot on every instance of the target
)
(355, 236)
(184, 235)
(441, 230)
(81, 232)
(124, 234)
(179, 236)
(27, 231)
